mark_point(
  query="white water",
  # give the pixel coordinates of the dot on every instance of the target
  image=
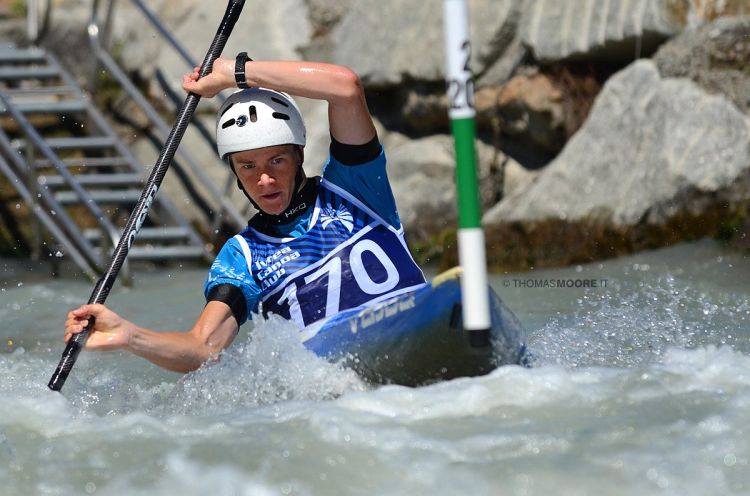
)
(642, 387)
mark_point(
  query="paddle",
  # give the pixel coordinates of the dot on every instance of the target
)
(105, 283)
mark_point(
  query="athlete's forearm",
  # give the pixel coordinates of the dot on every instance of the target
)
(175, 351)
(316, 80)
(214, 330)
(348, 116)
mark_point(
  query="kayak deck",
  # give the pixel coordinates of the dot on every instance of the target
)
(417, 338)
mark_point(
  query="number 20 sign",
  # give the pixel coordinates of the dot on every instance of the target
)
(459, 81)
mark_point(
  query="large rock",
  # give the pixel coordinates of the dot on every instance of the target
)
(657, 161)
(613, 30)
(390, 40)
(605, 30)
(716, 56)
(422, 173)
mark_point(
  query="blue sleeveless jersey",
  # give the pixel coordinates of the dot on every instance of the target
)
(348, 257)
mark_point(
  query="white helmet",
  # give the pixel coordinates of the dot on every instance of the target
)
(256, 118)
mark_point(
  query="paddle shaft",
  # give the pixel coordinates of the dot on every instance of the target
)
(138, 216)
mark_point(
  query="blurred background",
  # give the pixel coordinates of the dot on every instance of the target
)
(604, 128)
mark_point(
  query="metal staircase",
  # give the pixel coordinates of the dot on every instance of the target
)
(78, 175)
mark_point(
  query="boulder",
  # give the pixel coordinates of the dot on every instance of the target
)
(605, 30)
(658, 161)
(613, 31)
(716, 56)
(422, 173)
(389, 41)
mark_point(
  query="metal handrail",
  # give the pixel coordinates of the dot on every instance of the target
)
(98, 38)
(166, 34)
(77, 255)
(35, 32)
(28, 129)
(101, 124)
(156, 120)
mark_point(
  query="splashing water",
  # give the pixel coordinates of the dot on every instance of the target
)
(637, 322)
(642, 387)
(270, 366)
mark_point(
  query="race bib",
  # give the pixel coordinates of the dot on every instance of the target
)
(371, 267)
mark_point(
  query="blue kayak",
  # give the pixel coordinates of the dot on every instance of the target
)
(417, 338)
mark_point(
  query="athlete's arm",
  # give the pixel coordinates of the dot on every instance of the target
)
(214, 330)
(348, 116)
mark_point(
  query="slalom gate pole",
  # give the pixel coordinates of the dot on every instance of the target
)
(105, 283)
(471, 251)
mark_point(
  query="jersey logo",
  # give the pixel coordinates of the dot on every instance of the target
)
(341, 214)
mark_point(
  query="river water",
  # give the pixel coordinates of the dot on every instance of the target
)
(641, 385)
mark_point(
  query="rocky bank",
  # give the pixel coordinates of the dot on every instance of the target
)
(604, 127)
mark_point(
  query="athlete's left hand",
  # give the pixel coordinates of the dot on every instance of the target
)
(220, 78)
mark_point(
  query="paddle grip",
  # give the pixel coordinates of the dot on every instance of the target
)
(69, 357)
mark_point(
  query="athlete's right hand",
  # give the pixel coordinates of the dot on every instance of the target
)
(110, 331)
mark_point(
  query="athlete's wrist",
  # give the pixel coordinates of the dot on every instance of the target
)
(132, 336)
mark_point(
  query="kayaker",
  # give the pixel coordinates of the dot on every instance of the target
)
(316, 246)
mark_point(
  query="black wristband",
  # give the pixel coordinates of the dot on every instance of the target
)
(239, 70)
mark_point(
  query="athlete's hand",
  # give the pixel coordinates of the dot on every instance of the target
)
(220, 78)
(110, 331)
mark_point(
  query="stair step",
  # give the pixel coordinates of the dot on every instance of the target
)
(122, 196)
(12, 54)
(84, 142)
(85, 162)
(170, 233)
(59, 91)
(164, 233)
(158, 253)
(35, 72)
(117, 179)
(165, 252)
(49, 107)
(87, 142)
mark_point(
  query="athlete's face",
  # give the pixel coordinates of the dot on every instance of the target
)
(267, 174)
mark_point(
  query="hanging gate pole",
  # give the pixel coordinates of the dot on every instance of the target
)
(471, 251)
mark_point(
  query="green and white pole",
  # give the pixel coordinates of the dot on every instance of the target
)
(471, 253)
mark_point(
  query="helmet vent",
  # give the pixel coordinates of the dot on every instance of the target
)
(279, 101)
(279, 115)
(253, 114)
(228, 123)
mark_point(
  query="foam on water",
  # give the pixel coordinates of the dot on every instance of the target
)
(637, 322)
(538, 431)
(679, 424)
(642, 388)
(268, 367)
